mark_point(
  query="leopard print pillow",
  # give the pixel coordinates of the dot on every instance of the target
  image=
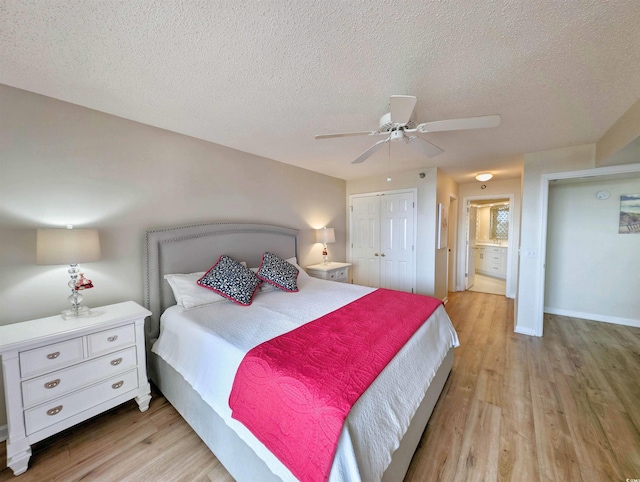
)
(278, 272)
(232, 280)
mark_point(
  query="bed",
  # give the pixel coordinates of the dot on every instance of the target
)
(366, 449)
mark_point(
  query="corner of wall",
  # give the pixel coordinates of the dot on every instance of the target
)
(620, 135)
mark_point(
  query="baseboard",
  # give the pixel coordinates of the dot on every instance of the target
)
(593, 317)
(445, 300)
(524, 331)
(4, 433)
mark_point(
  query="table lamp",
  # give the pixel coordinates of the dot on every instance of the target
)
(325, 236)
(69, 246)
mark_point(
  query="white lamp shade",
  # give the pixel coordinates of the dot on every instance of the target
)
(67, 246)
(325, 235)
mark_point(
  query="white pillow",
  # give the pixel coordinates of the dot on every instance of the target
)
(188, 293)
(301, 273)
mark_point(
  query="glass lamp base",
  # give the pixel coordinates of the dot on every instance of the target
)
(76, 313)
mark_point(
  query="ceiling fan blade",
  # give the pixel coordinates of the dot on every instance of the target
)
(424, 146)
(401, 108)
(460, 124)
(369, 152)
(347, 134)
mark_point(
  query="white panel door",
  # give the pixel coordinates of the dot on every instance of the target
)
(382, 241)
(472, 217)
(396, 241)
(365, 240)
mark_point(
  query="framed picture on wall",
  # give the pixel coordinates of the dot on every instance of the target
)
(443, 225)
(629, 214)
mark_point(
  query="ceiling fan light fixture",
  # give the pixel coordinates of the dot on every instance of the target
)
(484, 176)
(400, 121)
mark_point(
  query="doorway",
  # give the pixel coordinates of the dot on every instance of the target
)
(487, 253)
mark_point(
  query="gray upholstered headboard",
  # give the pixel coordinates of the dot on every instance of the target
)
(188, 249)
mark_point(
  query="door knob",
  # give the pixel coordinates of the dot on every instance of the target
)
(382, 255)
(375, 254)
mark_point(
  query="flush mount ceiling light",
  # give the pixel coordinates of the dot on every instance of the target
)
(484, 176)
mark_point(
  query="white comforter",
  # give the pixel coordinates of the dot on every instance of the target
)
(206, 345)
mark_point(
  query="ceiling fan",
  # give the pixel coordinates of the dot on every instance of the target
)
(399, 123)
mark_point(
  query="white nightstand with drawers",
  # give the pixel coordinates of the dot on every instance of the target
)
(331, 271)
(60, 372)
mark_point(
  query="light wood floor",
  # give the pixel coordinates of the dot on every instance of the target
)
(565, 407)
(489, 284)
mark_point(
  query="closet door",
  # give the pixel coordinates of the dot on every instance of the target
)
(396, 241)
(382, 237)
(365, 240)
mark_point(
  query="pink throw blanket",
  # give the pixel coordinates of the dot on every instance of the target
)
(294, 392)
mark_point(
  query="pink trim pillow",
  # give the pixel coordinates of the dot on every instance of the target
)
(278, 272)
(232, 280)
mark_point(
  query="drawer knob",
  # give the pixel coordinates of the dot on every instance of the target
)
(112, 338)
(53, 356)
(54, 410)
(116, 362)
(117, 385)
(52, 383)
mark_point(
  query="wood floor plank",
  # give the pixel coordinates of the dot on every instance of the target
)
(595, 382)
(518, 459)
(626, 336)
(569, 333)
(627, 390)
(482, 326)
(538, 362)
(611, 356)
(442, 440)
(589, 440)
(557, 458)
(466, 320)
(141, 454)
(516, 372)
(623, 438)
(479, 455)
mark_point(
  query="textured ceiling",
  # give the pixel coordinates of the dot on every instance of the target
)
(266, 76)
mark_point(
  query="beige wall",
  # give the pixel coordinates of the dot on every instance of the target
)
(62, 164)
(592, 271)
(65, 164)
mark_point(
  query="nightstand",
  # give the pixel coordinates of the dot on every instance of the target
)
(58, 372)
(331, 271)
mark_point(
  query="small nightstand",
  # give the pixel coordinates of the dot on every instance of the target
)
(60, 372)
(331, 271)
